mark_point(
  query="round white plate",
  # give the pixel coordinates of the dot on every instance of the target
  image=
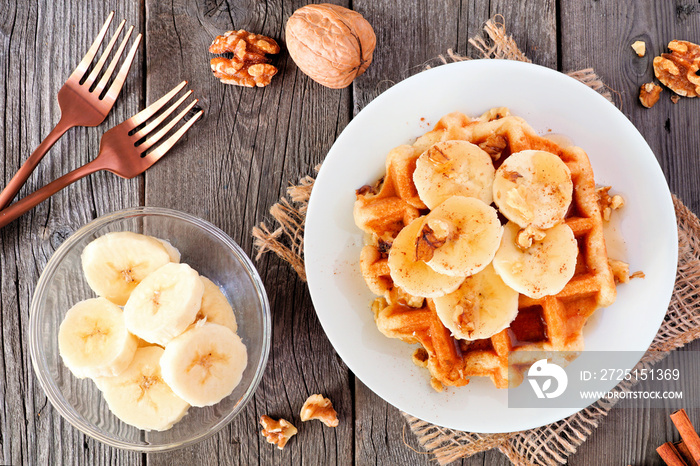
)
(548, 100)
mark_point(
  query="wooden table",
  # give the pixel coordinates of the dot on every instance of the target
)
(238, 160)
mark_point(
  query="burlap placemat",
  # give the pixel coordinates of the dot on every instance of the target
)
(552, 443)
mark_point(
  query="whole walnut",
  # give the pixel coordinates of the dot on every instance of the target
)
(331, 44)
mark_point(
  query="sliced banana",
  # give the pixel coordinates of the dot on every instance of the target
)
(93, 340)
(414, 275)
(482, 306)
(204, 364)
(452, 168)
(115, 263)
(215, 307)
(140, 397)
(172, 251)
(541, 270)
(164, 303)
(460, 236)
(533, 188)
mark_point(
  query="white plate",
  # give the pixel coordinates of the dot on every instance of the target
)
(548, 100)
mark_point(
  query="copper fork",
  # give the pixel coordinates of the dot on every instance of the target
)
(81, 105)
(123, 150)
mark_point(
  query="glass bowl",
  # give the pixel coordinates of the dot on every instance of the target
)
(209, 251)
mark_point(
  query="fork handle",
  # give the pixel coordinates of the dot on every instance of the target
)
(27, 203)
(30, 164)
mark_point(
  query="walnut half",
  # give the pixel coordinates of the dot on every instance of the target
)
(318, 407)
(249, 66)
(277, 432)
(678, 70)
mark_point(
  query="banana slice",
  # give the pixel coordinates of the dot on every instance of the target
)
(481, 307)
(204, 364)
(93, 340)
(215, 307)
(541, 270)
(459, 237)
(115, 263)
(140, 397)
(414, 275)
(452, 168)
(533, 188)
(164, 303)
(172, 251)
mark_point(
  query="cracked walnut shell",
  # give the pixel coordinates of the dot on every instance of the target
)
(678, 70)
(318, 407)
(250, 65)
(277, 432)
(331, 44)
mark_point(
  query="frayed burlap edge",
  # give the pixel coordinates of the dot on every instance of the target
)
(555, 442)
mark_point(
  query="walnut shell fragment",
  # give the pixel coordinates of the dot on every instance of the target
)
(318, 407)
(678, 70)
(331, 44)
(249, 66)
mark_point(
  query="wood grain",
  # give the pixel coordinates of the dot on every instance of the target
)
(39, 48)
(239, 159)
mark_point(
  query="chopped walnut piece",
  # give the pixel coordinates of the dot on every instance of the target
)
(678, 70)
(620, 270)
(608, 203)
(640, 47)
(638, 274)
(528, 235)
(250, 65)
(434, 234)
(277, 432)
(494, 146)
(675, 98)
(649, 94)
(321, 408)
(420, 357)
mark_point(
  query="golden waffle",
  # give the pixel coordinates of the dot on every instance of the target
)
(552, 323)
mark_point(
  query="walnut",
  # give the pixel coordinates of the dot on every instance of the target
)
(318, 407)
(608, 203)
(675, 98)
(277, 432)
(494, 146)
(250, 65)
(640, 47)
(678, 70)
(435, 234)
(331, 44)
(649, 94)
(528, 235)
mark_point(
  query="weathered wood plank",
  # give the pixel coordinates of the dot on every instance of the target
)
(234, 164)
(410, 37)
(39, 48)
(599, 35)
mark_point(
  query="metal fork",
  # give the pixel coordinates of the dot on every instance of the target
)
(81, 105)
(121, 152)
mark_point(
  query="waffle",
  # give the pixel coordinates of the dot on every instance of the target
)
(552, 323)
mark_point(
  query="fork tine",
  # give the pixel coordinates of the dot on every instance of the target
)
(100, 63)
(164, 147)
(152, 125)
(113, 64)
(164, 130)
(92, 51)
(149, 111)
(118, 82)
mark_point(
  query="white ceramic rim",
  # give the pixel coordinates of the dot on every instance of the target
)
(42, 370)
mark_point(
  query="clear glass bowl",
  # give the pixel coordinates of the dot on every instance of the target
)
(209, 251)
